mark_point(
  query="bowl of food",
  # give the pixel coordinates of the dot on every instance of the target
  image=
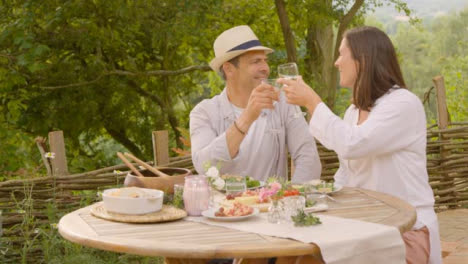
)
(152, 181)
(132, 200)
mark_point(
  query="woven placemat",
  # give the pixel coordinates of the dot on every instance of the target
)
(167, 213)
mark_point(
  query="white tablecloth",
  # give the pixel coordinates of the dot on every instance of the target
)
(340, 240)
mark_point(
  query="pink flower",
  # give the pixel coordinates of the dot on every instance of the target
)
(269, 191)
(276, 186)
(263, 194)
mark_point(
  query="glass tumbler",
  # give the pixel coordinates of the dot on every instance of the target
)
(196, 195)
(291, 204)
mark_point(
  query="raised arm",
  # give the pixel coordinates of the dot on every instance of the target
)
(391, 125)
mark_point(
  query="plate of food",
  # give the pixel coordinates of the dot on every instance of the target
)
(328, 188)
(252, 184)
(132, 200)
(249, 197)
(237, 212)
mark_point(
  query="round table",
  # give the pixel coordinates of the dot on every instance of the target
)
(190, 242)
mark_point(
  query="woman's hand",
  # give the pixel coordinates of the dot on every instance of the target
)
(299, 93)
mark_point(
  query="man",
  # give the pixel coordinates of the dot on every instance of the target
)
(243, 127)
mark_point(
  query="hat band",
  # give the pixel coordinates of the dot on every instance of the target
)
(246, 45)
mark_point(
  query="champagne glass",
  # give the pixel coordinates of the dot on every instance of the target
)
(273, 83)
(277, 88)
(290, 71)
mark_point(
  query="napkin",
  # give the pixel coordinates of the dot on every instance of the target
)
(340, 240)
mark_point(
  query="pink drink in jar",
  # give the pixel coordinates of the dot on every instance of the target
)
(196, 195)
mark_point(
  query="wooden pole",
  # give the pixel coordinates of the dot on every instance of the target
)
(442, 122)
(40, 142)
(442, 112)
(160, 147)
(57, 146)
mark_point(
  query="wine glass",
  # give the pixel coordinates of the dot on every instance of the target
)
(277, 88)
(290, 71)
(273, 83)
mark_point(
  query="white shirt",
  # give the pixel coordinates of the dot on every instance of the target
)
(264, 150)
(251, 147)
(386, 153)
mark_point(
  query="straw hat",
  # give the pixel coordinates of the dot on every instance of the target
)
(232, 43)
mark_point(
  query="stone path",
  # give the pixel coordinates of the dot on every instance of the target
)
(454, 236)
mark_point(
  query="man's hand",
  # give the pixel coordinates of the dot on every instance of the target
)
(262, 97)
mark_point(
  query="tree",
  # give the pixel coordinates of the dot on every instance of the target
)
(95, 68)
(319, 26)
(111, 72)
(438, 46)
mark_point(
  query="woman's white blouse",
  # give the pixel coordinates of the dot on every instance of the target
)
(386, 153)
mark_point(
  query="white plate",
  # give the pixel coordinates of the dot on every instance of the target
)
(316, 208)
(262, 184)
(210, 213)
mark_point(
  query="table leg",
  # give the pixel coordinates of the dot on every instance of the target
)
(308, 259)
(251, 261)
(185, 261)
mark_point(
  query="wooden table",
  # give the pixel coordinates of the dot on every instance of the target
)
(182, 241)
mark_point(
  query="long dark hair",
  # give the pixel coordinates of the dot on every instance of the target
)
(378, 68)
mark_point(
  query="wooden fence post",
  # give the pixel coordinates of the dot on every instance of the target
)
(57, 146)
(442, 123)
(160, 147)
(40, 142)
(442, 111)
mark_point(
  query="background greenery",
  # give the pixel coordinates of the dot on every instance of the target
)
(108, 73)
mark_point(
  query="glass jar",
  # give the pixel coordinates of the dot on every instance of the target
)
(291, 205)
(196, 195)
(275, 212)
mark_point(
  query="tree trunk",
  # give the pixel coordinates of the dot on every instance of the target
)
(170, 113)
(120, 136)
(319, 57)
(322, 52)
(287, 32)
(344, 23)
(168, 53)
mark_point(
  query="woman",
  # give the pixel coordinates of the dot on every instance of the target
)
(381, 142)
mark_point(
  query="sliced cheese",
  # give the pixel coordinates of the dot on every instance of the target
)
(247, 200)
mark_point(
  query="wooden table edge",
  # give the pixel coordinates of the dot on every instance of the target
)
(405, 210)
(92, 239)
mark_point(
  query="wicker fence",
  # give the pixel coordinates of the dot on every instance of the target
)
(447, 164)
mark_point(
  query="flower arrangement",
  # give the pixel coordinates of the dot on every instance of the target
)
(272, 191)
(213, 176)
(276, 188)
